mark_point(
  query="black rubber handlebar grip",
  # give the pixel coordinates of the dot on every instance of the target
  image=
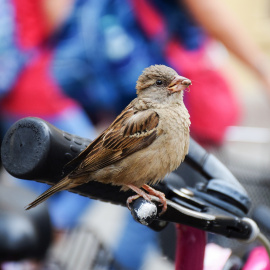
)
(33, 149)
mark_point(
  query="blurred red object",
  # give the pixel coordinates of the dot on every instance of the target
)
(211, 102)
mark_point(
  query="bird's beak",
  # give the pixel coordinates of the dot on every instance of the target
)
(179, 83)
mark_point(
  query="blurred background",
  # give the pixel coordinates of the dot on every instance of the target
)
(75, 64)
(255, 18)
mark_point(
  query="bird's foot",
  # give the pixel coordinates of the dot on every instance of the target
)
(151, 191)
(158, 194)
(140, 193)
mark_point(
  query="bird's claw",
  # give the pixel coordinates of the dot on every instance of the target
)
(164, 209)
(160, 195)
(131, 199)
(147, 197)
(135, 197)
(162, 204)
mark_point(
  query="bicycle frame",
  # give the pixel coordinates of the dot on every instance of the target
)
(190, 248)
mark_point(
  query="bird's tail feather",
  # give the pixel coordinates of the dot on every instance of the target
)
(63, 184)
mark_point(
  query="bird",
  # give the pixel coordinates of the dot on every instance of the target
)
(148, 140)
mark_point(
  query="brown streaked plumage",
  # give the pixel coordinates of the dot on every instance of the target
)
(148, 140)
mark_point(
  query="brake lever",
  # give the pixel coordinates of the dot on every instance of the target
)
(185, 208)
(221, 182)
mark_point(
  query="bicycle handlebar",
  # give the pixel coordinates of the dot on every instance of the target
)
(35, 150)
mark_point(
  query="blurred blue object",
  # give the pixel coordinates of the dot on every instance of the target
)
(102, 40)
(11, 58)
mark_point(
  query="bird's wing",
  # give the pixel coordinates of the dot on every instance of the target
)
(131, 131)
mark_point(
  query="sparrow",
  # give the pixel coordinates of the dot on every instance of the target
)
(147, 141)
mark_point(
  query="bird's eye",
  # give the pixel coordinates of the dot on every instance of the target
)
(159, 82)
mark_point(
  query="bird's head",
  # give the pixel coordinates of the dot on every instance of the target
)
(161, 84)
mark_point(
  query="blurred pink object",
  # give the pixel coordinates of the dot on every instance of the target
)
(216, 257)
(257, 260)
